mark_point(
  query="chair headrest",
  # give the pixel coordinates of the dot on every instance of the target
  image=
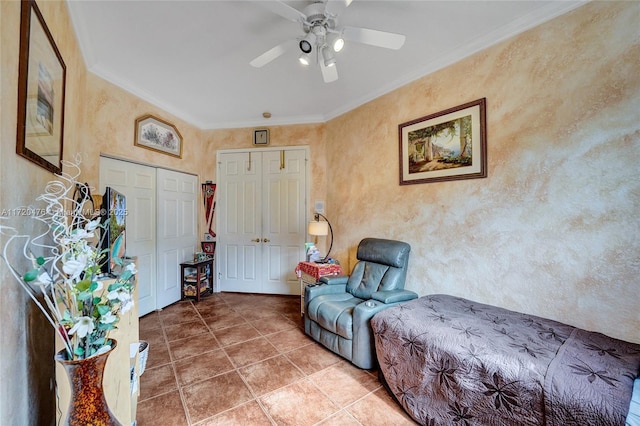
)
(386, 252)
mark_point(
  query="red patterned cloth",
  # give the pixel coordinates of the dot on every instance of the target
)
(318, 270)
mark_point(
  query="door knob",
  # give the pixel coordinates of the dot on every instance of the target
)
(257, 240)
(266, 240)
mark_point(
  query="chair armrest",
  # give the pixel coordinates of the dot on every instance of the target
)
(334, 279)
(315, 290)
(394, 296)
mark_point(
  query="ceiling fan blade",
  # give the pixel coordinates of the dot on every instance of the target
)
(374, 37)
(284, 10)
(329, 74)
(271, 54)
(335, 7)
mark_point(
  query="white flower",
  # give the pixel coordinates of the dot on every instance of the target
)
(83, 234)
(120, 294)
(44, 279)
(92, 225)
(83, 327)
(108, 318)
(76, 236)
(126, 305)
(103, 349)
(74, 267)
(131, 267)
(124, 297)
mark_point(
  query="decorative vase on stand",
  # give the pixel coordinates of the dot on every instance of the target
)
(88, 405)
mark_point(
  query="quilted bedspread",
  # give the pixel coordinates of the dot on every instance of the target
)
(451, 361)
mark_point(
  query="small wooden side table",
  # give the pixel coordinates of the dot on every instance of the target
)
(196, 278)
(311, 272)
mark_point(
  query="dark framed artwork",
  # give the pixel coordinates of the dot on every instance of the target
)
(261, 137)
(447, 145)
(158, 135)
(208, 247)
(41, 91)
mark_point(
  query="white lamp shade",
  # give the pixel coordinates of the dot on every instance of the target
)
(318, 228)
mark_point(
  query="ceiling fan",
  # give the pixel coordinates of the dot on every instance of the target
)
(323, 35)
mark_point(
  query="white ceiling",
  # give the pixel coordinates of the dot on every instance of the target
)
(191, 58)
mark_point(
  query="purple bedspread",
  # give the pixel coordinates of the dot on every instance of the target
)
(451, 361)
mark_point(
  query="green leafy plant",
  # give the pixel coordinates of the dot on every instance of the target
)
(64, 279)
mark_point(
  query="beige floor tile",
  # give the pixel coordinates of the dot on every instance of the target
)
(158, 355)
(287, 406)
(180, 316)
(289, 340)
(214, 395)
(251, 351)
(273, 324)
(379, 408)
(156, 381)
(313, 357)
(203, 366)
(270, 374)
(154, 337)
(149, 322)
(184, 330)
(344, 383)
(219, 320)
(180, 307)
(341, 418)
(220, 309)
(261, 313)
(166, 409)
(249, 414)
(194, 345)
(236, 334)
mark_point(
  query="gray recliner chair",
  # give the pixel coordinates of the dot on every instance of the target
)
(338, 309)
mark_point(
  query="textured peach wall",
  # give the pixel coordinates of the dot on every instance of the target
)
(110, 116)
(25, 397)
(553, 230)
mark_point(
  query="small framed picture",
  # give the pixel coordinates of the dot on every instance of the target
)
(261, 137)
(158, 135)
(209, 247)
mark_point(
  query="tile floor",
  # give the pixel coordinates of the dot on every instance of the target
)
(244, 359)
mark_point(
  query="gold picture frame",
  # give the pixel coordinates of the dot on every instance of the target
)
(158, 135)
(448, 145)
(41, 92)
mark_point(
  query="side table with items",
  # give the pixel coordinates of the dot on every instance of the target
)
(196, 278)
(310, 273)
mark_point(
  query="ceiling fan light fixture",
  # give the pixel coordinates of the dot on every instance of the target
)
(329, 58)
(338, 44)
(304, 59)
(306, 44)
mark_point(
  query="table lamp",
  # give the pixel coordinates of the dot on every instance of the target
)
(318, 228)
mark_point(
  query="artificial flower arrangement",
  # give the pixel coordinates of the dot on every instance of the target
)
(64, 278)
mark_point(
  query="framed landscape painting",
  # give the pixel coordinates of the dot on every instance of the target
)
(448, 145)
(41, 91)
(158, 135)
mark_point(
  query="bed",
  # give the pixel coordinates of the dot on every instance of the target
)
(448, 360)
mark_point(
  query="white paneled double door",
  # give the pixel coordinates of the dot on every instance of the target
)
(161, 225)
(261, 220)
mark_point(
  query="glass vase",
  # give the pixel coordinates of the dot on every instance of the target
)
(88, 405)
